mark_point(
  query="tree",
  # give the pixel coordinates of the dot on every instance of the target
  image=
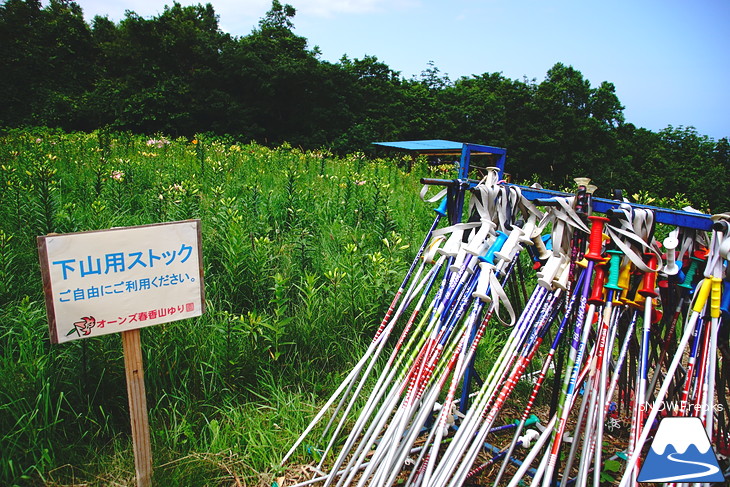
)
(279, 17)
(284, 91)
(164, 73)
(48, 62)
(686, 156)
(372, 103)
(716, 177)
(575, 123)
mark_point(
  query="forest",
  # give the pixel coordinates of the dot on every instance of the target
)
(179, 74)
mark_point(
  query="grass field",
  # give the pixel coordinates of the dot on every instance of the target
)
(302, 254)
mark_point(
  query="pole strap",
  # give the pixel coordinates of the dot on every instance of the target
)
(565, 221)
(637, 228)
(432, 199)
(499, 295)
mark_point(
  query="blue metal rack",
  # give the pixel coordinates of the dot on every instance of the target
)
(447, 148)
(459, 186)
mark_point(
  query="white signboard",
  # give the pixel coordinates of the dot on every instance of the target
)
(115, 280)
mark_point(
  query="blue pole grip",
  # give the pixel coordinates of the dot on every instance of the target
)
(725, 301)
(442, 208)
(496, 247)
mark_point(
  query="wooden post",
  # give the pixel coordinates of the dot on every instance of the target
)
(137, 406)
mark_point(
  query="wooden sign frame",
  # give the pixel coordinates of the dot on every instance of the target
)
(109, 281)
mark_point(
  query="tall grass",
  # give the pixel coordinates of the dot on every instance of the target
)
(301, 252)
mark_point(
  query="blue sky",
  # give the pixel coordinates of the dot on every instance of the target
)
(669, 59)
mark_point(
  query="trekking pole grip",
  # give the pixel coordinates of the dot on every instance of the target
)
(595, 241)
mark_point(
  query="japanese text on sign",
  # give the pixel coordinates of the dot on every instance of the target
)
(120, 279)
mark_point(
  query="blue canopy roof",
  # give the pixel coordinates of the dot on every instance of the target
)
(438, 147)
(435, 145)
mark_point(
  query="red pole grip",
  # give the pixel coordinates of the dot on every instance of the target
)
(597, 290)
(649, 282)
(595, 242)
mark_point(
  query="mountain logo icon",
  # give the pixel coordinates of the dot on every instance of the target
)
(680, 452)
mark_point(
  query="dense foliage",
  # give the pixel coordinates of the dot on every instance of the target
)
(179, 74)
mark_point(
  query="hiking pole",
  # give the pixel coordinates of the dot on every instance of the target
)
(486, 280)
(524, 441)
(692, 361)
(592, 385)
(541, 377)
(440, 427)
(456, 379)
(419, 411)
(420, 377)
(577, 346)
(517, 477)
(440, 213)
(648, 292)
(701, 298)
(422, 348)
(481, 293)
(609, 330)
(338, 473)
(427, 282)
(413, 289)
(392, 368)
(431, 275)
(529, 349)
(534, 451)
(685, 288)
(496, 375)
(714, 267)
(347, 383)
(381, 418)
(540, 472)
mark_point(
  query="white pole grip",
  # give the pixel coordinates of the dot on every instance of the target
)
(547, 273)
(477, 240)
(510, 247)
(542, 251)
(528, 229)
(563, 275)
(458, 260)
(453, 244)
(483, 283)
(670, 267)
(471, 265)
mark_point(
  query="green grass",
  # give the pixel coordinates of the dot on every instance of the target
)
(302, 254)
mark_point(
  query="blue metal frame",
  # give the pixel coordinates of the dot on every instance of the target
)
(458, 187)
(457, 190)
(466, 151)
(679, 218)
